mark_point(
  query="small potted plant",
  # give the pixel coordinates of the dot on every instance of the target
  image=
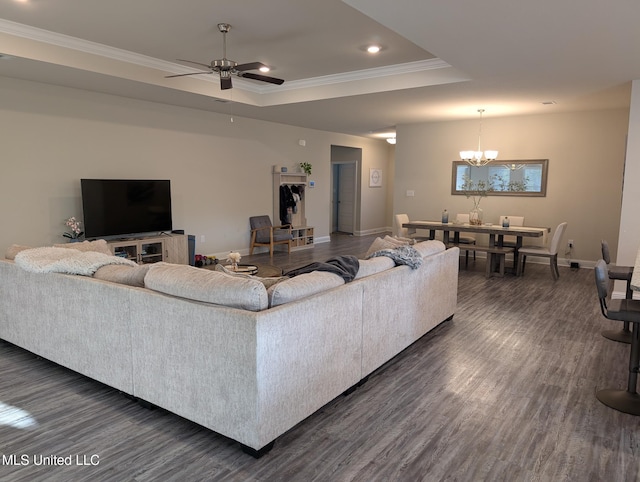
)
(76, 231)
(306, 167)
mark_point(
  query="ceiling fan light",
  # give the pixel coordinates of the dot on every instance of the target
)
(264, 69)
(391, 140)
(373, 49)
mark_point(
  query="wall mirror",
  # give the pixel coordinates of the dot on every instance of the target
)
(502, 178)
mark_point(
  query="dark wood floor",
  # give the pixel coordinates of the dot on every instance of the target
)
(503, 392)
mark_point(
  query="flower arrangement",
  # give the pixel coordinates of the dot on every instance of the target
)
(306, 167)
(476, 190)
(74, 225)
(234, 258)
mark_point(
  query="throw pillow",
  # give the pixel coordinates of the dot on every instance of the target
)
(384, 243)
(127, 275)
(427, 248)
(99, 245)
(14, 249)
(406, 255)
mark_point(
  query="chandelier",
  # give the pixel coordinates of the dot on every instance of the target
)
(479, 158)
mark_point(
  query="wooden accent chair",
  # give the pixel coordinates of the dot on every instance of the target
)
(263, 233)
(551, 252)
(623, 273)
(626, 401)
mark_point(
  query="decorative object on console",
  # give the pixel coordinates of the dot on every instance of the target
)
(306, 167)
(234, 258)
(479, 158)
(76, 231)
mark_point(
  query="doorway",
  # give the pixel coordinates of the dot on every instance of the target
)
(345, 163)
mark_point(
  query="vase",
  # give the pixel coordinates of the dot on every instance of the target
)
(475, 216)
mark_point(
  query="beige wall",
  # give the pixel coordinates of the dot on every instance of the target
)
(586, 153)
(220, 170)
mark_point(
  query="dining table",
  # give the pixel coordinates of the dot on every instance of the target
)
(496, 234)
(635, 277)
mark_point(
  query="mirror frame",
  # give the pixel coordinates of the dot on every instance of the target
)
(543, 184)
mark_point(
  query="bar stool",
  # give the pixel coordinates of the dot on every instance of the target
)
(623, 273)
(626, 401)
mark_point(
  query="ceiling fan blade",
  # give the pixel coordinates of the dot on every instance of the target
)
(250, 66)
(225, 83)
(183, 75)
(262, 78)
(208, 66)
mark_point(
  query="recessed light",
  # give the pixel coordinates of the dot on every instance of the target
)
(374, 49)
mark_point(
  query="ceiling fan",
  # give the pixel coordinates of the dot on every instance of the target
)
(226, 68)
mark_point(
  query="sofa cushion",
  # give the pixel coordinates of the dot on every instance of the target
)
(373, 266)
(301, 286)
(205, 285)
(99, 246)
(14, 249)
(427, 248)
(127, 275)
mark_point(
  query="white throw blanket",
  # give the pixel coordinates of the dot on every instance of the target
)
(64, 260)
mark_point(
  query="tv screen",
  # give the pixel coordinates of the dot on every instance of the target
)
(125, 207)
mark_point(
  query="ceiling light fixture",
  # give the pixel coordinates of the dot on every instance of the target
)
(391, 140)
(373, 49)
(264, 68)
(479, 158)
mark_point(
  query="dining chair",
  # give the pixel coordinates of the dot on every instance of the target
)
(626, 310)
(466, 238)
(623, 273)
(551, 252)
(513, 221)
(402, 232)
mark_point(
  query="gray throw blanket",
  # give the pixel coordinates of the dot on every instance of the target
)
(345, 266)
(401, 255)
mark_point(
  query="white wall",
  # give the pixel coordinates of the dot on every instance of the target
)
(220, 170)
(585, 150)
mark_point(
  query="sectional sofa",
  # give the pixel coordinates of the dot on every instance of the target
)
(233, 354)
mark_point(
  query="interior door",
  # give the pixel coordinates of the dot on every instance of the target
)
(346, 196)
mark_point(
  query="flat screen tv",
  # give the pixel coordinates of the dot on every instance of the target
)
(125, 207)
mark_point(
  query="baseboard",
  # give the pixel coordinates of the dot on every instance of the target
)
(368, 232)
